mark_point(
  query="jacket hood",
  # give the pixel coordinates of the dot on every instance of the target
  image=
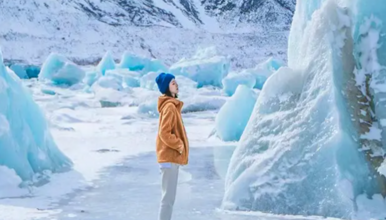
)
(163, 100)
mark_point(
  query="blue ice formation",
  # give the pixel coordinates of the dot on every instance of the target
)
(128, 78)
(59, 70)
(148, 108)
(234, 115)
(186, 86)
(148, 81)
(202, 102)
(26, 144)
(91, 77)
(19, 71)
(107, 63)
(265, 69)
(316, 137)
(108, 82)
(32, 71)
(154, 65)
(234, 79)
(206, 68)
(141, 64)
(132, 62)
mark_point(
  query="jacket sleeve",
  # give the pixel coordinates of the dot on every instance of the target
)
(165, 131)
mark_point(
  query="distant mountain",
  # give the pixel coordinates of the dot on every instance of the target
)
(166, 29)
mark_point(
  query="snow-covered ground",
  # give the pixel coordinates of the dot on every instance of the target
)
(115, 172)
(313, 144)
(93, 138)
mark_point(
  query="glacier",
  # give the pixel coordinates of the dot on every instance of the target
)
(60, 70)
(234, 115)
(26, 144)
(315, 141)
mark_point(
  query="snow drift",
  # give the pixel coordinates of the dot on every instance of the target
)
(316, 137)
(26, 144)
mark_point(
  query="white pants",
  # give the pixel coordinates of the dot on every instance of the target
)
(169, 190)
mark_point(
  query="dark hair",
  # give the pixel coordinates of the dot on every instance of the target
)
(168, 93)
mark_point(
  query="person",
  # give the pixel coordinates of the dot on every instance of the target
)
(171, 143)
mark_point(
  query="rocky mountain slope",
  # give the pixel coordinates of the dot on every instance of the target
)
(166, 29)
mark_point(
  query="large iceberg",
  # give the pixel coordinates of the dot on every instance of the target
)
(234, 115)
(316, 137)
(206, 68)
(26, 144)
(59, 70)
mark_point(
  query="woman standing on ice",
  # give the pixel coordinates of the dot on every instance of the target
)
(172, 142)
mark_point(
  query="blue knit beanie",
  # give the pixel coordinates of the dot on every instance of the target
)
(163, 80)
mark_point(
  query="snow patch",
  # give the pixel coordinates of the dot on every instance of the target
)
(9, 184)
(373, 134)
